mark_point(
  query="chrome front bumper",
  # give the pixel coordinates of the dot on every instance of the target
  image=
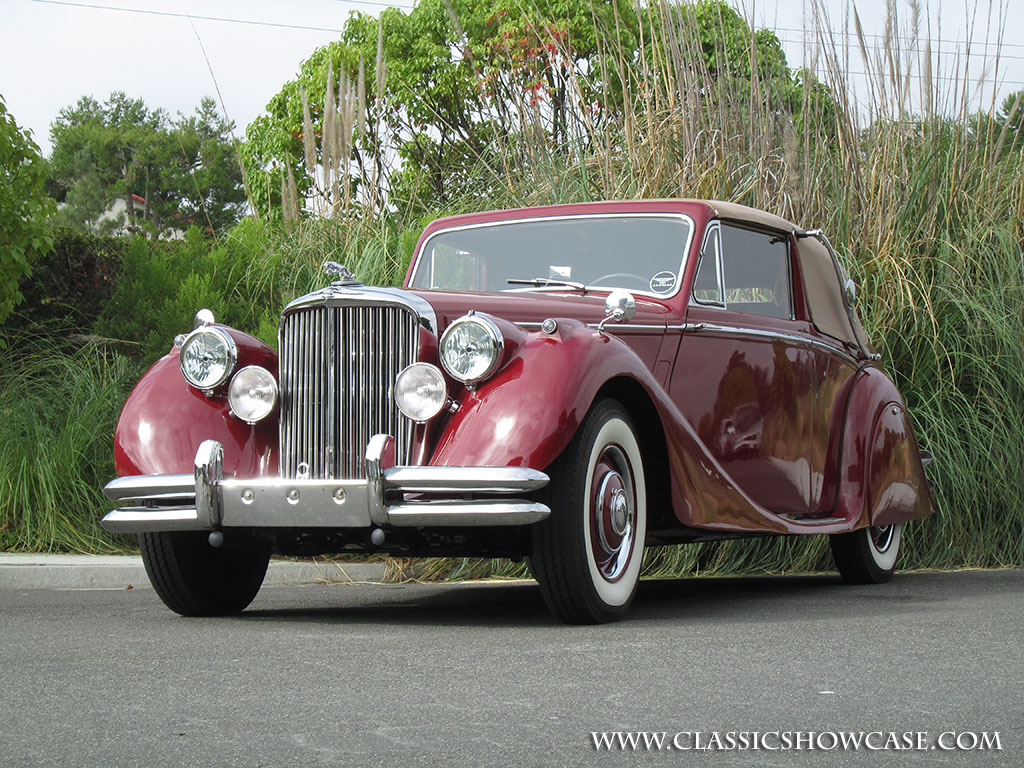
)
(207, 501)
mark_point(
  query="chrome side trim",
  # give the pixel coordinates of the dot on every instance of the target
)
(759, 333)
(613, 330)
(627, 328)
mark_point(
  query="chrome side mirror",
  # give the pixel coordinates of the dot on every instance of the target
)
(619, 307)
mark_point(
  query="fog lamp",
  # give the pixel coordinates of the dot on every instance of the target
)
(252, 394)
(420, 391)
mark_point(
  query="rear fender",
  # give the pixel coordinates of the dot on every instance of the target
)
(164, 421)
(882, 478)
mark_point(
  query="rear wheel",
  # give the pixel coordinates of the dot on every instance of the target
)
(867, 555)
(587, 554)
(195, 579)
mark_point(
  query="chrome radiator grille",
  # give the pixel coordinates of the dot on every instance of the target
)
(337, 372)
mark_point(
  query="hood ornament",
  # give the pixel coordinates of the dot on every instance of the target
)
(342, 273)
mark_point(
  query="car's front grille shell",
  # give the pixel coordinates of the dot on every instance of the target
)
(337, 372)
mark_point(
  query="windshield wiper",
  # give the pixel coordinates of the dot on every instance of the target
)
(545, 282)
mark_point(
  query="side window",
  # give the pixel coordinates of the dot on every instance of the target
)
(756, 272)
(707, 286)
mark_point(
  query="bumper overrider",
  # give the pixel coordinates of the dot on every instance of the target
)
(441, 496)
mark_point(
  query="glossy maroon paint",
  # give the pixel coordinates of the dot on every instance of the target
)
(762, 435)
(755, 428)
(164, 421)
(880, 459)
(526, 414)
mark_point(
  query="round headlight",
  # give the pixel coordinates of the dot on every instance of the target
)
(252, 394)
(420, 391)
(207, 358)
(471, 348)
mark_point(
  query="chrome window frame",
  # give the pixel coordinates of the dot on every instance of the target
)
(714, 227)
(418, 256)
(717, 224)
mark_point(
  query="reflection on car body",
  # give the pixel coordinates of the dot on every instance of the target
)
(567, 384)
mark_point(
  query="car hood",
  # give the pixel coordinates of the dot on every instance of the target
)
(536, 306)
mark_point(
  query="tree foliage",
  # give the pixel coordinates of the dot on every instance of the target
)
(25, 232)
(170, 173)
(446, 89)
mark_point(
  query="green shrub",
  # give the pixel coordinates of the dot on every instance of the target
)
(69, 286)
(58, 407)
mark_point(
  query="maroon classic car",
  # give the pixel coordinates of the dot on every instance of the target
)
(566, 384)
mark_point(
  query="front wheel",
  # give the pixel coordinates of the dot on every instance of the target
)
(194, 579)
(587, 554)
(867, 555)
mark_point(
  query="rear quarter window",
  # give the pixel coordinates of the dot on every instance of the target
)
(756, 272)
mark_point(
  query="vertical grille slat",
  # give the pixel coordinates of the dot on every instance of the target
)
(337, 370)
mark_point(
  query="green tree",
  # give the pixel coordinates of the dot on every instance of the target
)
(454, 94)
(170, 173)
(25, 209)
(445, 86)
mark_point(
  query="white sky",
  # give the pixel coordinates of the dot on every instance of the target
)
(53, 54)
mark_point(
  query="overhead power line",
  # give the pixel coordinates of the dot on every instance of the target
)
(934, 51)
(370, 2)
(900, 38)
(225, 19)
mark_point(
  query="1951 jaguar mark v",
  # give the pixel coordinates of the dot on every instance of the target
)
(567, 384)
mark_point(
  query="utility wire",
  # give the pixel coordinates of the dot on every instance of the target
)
(934, 51)
(371, 2)
(147, 12)
(832, 32)
(251, 22)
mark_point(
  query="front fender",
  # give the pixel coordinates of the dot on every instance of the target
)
(526, 414)
(164, 421)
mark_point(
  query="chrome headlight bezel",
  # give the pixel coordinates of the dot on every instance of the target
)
(230, 358)
(421, 368)
(234, 396)
(493, 342)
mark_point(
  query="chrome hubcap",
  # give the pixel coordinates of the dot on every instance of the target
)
(881, 536)
(613, 513)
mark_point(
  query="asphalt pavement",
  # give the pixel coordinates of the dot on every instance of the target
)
(477, 674)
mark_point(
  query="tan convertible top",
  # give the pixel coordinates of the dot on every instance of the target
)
(824, 291)
(823, 282)
(738, 212)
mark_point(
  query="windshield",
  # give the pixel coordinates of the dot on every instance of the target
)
(641, 253)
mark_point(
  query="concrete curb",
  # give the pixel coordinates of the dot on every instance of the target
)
(31, 571)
